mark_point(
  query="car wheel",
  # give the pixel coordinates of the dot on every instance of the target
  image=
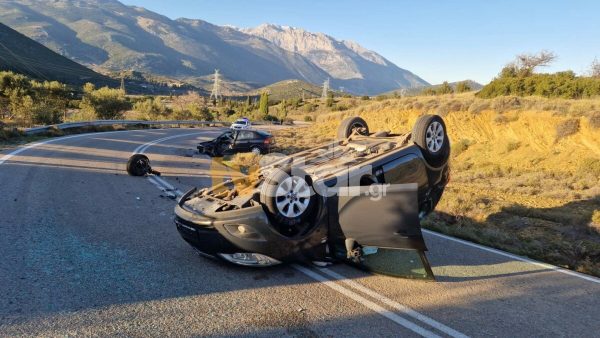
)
(429, 133)
(138, 165)
(256, 150)
(351, 124)
(289, 201)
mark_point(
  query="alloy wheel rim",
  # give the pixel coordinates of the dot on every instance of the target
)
(292, 197)
(435, 137)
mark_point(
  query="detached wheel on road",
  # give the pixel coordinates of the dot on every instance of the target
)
(429, 133)
(289, 201)
(350, 125)
(138, 165)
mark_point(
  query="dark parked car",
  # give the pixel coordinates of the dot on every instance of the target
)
(322, 204)
(238, 141)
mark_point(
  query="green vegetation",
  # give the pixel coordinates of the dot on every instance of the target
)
(103, 104)
(518, 78)
(28, 102)
(263, 106)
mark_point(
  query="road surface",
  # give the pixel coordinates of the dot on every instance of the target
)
(87, 250)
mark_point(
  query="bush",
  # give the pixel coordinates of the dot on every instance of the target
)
(594, 119)
(308, 118)
(590, 166)
(104, 103)
(567, 128)
(150, 109)
(463, 87)
(460, 147)
(560, 85)
(512, 146)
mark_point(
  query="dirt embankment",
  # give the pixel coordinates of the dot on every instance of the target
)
(525, 172)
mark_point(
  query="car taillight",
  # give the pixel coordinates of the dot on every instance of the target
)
(269, 140)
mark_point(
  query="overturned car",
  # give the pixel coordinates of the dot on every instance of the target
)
(358, 199)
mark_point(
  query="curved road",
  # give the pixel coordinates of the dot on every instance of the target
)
(87, 250)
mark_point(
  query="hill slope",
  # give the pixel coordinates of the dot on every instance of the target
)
(475, 86)
(288, 89)
(20, 54)
(110, 36)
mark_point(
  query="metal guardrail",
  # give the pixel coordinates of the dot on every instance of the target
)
(70, 125)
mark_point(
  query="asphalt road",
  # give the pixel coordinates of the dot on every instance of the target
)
(87, 250)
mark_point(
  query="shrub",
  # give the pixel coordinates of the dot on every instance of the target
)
(503, 104)
(365, 98)
(590, 166)
(594, 119)
(309, 107)
(308, 118)
(463, 87)
(460, 147)
(567, 128)
(104, 103)
(561, 84)
(150, 109)
(512, 146)
(500, 119)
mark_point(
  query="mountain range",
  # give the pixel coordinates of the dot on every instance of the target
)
(109, 36)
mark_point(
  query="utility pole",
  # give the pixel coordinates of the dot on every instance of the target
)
(216, 91)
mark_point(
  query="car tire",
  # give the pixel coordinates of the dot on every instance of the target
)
(277, 199)
(429, 133)
(256, 150)
(138, 165)
(349, 125)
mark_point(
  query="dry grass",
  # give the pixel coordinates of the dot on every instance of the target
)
(525, 171)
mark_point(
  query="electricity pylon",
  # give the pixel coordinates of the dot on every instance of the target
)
(216, 91)
(325, 89)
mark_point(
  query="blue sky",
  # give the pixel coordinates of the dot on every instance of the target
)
(437, 40)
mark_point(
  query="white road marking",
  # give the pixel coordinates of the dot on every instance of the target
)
(37, 144)
(519, 258)
(408, 311)
(371, 305)
(157, 180)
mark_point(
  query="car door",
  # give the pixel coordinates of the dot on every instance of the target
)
(377, 227)
(242, 142)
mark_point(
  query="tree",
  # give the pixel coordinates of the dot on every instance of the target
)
(263, 105)
(150, 109)
(444, 88)
(330, 101)
(595, 68)
(104, 103)
(525, 64)
(463, 87)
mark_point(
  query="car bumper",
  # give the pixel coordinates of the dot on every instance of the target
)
(245, 230)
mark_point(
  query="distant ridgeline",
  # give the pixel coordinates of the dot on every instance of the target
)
(20, 54)
(558, 85)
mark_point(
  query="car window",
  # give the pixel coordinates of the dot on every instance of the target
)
(227, 135)
(245, 135)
